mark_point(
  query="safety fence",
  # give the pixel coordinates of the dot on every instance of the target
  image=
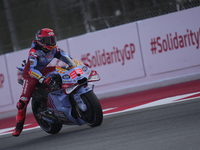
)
(21, 19)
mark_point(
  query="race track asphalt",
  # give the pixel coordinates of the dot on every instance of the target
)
(168, 127)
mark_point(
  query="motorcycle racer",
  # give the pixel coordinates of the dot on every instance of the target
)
(43, 51)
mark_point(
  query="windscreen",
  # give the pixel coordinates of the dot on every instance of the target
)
(68, 61)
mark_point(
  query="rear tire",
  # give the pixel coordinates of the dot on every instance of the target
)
(94, 114)
(37, 107)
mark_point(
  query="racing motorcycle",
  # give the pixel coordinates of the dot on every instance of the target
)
(68, 99)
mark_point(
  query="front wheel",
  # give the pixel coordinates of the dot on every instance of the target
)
(37, 107)
(94, 114)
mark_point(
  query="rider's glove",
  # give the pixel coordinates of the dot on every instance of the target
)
(45, 80)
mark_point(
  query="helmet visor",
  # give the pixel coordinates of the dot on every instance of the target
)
(49, 40)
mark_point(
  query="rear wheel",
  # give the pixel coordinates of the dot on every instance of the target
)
(94, 115)
(37, 107)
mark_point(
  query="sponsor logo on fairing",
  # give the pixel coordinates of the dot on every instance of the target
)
(66, 76)
(84, 68)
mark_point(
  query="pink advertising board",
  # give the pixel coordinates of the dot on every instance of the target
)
(171, 42)
(114, 53)
(6, 97)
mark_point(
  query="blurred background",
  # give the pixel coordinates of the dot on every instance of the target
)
(21, 19)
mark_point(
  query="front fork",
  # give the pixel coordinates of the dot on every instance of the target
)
(78, 99)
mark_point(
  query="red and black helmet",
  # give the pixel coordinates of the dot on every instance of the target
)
(46, 38)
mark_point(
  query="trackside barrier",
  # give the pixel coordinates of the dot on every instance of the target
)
(142, 55)
(133, 57)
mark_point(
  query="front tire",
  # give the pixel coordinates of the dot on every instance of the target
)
(37, 107)
(94, 114)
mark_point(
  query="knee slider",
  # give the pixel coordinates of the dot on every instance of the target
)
(20, 105)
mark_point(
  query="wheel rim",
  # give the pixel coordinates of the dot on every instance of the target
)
(89, 113)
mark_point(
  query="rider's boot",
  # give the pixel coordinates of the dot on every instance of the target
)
(19, 127)
(20, 118)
